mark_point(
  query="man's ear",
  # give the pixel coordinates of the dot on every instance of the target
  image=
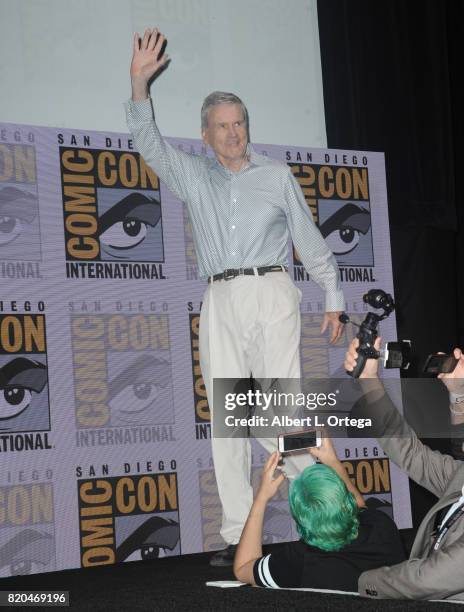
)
(204, 137)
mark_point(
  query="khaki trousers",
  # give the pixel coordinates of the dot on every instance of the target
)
(248, 325)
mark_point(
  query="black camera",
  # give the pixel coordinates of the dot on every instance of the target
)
(397, 354)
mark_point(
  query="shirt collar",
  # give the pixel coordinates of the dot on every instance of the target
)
(254, 159)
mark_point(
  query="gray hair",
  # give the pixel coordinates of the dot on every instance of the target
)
(222, 97)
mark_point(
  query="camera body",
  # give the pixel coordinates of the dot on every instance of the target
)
(367, 334)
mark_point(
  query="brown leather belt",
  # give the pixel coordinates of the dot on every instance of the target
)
(234, 272)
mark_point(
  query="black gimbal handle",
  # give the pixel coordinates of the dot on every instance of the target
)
(359, 367)
(367, 335)
(363, 355)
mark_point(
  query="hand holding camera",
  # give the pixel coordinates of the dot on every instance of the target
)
(454, 382)
(370, 367)
(396, 354)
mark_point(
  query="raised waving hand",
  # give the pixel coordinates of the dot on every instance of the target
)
(148, 58)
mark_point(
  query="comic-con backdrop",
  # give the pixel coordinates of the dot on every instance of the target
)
(104, 422)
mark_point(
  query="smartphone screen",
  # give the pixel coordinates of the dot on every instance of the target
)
(440, 364)
(298, 440)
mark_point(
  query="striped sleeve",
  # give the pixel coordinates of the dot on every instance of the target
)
(278, 570)
(180, 171)
(311, 247)
(262, 573)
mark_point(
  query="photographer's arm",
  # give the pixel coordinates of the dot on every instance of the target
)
(437, 576)
(430, 469)
(454, 382)
(326, 454)
(249, 548)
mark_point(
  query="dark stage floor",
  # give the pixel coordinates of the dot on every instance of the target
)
(178, 583)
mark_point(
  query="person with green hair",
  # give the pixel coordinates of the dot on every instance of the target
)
(325, 512)
(340, 537)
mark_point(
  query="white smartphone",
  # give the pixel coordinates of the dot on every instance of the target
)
(299, 440)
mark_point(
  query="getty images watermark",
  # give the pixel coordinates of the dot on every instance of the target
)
(343, 406)
(273, 401)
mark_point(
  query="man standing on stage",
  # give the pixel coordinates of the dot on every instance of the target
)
(242, 207)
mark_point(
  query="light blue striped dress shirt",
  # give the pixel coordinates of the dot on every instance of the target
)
(239, 219)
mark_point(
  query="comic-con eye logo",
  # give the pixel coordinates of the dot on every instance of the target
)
(130, 228)
(136, 390)
(27, 533)
(122, 370)
(24, 401)
(347, 231)
(128, 518)
(112, 207)
(19, 379)
(19, 207)
(338, 198)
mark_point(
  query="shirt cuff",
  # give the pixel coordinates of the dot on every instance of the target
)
(139, 112)
(334, 301)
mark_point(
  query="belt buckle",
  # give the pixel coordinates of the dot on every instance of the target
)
(229, 274)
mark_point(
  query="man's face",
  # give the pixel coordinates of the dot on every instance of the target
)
(226, 133)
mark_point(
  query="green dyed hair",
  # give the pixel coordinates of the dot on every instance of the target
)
(325, 512)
